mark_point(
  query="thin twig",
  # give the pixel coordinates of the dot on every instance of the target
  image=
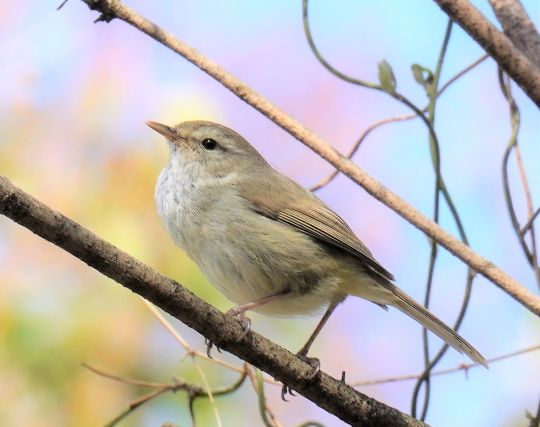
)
(124, 380)
(530, 253)
(535, 419)
(255, 377)
(190, 350)
(461, 74)
(514, 63)
(530, 212)
(193, 390)
(325, 181)
(61, 5)
(431, 91)
(159, 389)
(222, 391)
(135, 404)
(209, 393)
(263, 409)
(461, 367)
(529, 222)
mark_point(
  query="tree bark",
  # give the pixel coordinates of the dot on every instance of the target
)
(509, 58)
(518, 27)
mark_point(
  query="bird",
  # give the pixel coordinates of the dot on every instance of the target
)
(268, 244)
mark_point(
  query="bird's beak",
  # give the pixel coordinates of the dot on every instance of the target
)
(166, 131)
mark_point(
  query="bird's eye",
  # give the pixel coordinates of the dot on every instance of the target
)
(209, 143)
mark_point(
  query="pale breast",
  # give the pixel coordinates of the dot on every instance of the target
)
(245, 255)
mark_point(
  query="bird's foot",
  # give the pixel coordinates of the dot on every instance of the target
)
(209, 345)
(242, 319)
(311, 361)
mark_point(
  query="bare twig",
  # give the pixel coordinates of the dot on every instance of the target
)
(529, 222)
(461, 367)
(325, 181)
(61, 5)
(256, 376)
(530, 253)
(190, 351)
(535, 419)
(530, 211)
(117, 9)
(120, 379)
(440, 187)
(514, 63)
(263, 407)
(193, 390)
(209, 392)
(461, 74)
(135, 404)
(518, 27)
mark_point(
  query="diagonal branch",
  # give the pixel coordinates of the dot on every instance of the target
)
(110, 9)
(328, 393)
(509, 58)
(518, 27)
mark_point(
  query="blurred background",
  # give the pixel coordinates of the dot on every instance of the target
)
(74, 97)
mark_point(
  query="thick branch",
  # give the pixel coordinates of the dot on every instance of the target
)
(518, 27)
(328, 393)
(509, 58)
(114, 8)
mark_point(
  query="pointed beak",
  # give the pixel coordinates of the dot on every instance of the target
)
(166, 131)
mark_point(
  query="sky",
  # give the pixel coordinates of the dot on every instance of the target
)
(74, 99)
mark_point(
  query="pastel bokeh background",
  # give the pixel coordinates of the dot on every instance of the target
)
(73, 100)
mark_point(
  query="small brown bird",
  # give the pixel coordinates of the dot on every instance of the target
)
(267, 243)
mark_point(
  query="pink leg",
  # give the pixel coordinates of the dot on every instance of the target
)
(241, 309)
(302, 354)
(304, 350)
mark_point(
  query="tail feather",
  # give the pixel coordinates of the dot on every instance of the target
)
(411, 308)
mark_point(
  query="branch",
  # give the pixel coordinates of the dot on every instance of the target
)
(529, 222)
(325, 181)
(462, 367)
(514, 63)
(193, 391)
(518, 27)
(114, 8)
(325, 391)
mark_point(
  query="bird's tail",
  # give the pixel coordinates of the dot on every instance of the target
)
(411, 308)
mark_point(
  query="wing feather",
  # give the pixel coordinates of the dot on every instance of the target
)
(311, 216)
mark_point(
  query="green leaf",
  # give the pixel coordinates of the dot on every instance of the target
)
(386, 77)
(423, 76)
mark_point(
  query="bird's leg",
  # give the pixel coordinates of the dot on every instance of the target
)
(239, 311)
(239, 314)
(302, 354)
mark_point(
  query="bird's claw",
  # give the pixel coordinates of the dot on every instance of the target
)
(311, 361)
(242, 319)
(209, 345)
(286, 390)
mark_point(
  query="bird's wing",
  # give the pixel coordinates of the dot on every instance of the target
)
(309, 215)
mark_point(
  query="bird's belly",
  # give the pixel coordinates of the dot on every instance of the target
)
(243, 278)
(249, 257)
(246, 285)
